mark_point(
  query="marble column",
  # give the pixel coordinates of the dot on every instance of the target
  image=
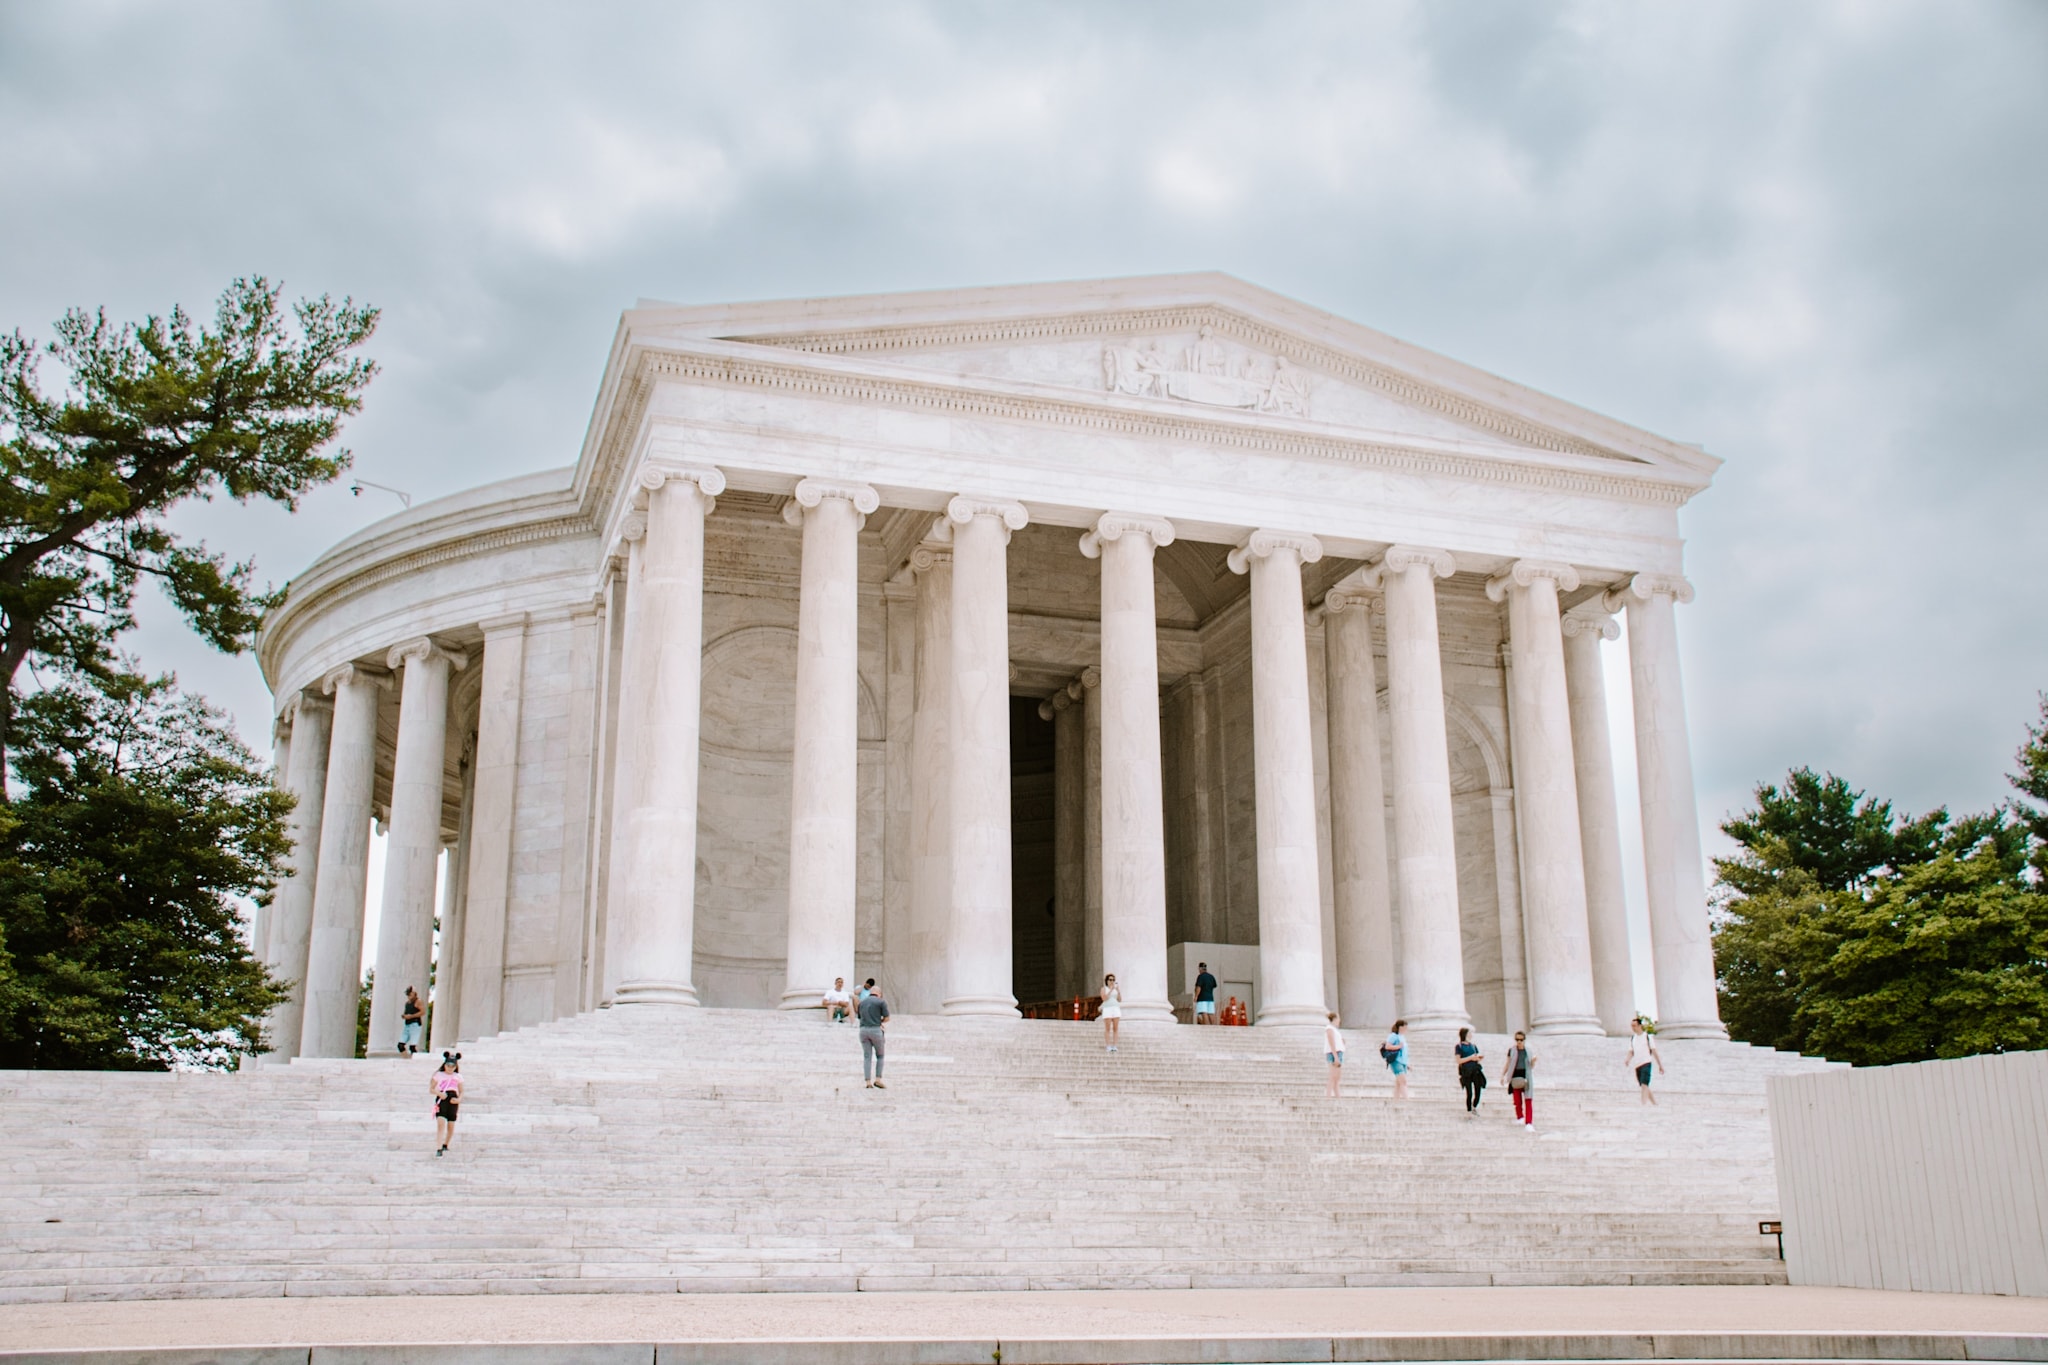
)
(931, 775)
(978, 947)
(412, 852)
(1614, 990)
(825, 763)
(654, 895)
(291, 910)
(1086, 690)
(1680, 942)
(487, 877)
(1284, 781)
(1358, 816)
(445, 1025)
(1133, 790)
(1069, 840)
(1559, 949)
(334, 955)
(1425, 853)
(260, 923)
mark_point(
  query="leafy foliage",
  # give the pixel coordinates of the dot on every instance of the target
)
(1851, 932)
(140, 816)
(151, 416)
(2031, 781)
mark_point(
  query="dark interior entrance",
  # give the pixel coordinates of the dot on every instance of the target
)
(1031, 860)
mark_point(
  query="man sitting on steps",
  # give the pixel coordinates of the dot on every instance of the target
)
(838, 1004)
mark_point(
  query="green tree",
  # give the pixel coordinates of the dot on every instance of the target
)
(140, 817)
(1845, 930)
(2031, 781)
(151, 416)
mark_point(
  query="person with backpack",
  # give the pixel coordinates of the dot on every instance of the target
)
(1471, 1070)
(1394, 1052)
(1521, 1078)
(1642, 1057)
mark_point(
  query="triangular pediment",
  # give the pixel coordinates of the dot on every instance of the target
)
(1197, 343)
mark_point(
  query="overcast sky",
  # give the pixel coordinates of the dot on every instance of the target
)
(1809, 237)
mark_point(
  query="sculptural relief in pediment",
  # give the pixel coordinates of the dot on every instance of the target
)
(1207, 370)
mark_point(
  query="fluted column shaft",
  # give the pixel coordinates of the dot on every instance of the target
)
(1560, 954)
(1614, 991)
(1680, 941)
(825, 764)
(654, 891)
(1284, 784)
(978, 950)
(1432, 949)
(1133, 790)
(931, 777)
(1358, 817)
(334, 956)
(412, 850)
(291, 911)
(1069, 836)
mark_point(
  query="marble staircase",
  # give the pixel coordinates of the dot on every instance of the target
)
(655, 1149)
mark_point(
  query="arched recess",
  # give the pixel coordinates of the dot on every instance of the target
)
(743, 807)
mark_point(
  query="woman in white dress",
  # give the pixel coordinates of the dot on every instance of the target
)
(1112, 1010)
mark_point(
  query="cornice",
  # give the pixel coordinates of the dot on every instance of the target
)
(1379, 378)
(1121, 415)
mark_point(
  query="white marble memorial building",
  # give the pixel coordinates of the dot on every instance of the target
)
(986, 640)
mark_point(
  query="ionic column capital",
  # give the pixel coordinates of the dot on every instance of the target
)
(1011, 516)
(811, 492)
(1401, 558)
(302, 703)
(1597, 623)
(929, 556)
(633, 527)
(1644, 586)
(1054, 704)
(1116, 525)
(654, 476)
(1524, 572)
(335, 679)
(1259, 544)
(424, 648)
(1342, 599)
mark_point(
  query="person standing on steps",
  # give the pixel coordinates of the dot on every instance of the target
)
(1471, 1070)
(1205, 994)
(874, 1017)
(1394, 1052)
(1112, 1011)
(838, 1004)
(1521, 1077)
(1333, 1053)
(414, 1019)
(1642, 1057)
(446, 1085)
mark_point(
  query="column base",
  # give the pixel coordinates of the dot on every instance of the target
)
(803, 1000)
(655, 993)
(1694, 1028)
(991, 1006)
(1583, 1025)
(1293, 1016)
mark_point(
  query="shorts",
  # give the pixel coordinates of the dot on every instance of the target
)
(1334, 1058)
(1643, 1073)
(445, 1109)
(1399, 1066)
(1205, 1007)
(409, 1036)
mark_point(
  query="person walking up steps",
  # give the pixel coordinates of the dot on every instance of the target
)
(446, 1085)
(1521, 1077)
(413, 1019)
(1205, 994)
(1394, 1052)
(1642, 1057)
(1333, 1053)
(874, 1017)
(1112, 1011)
(1471, 1070)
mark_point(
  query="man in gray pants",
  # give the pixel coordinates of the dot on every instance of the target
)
(874, 1017)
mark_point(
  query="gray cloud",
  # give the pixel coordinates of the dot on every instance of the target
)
(1806, 237)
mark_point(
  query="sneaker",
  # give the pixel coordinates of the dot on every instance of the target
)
(880, 1086)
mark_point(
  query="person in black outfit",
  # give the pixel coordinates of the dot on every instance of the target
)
(1471, 1070)
(1205, 994)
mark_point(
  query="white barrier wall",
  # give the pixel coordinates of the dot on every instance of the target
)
(1930, 1176)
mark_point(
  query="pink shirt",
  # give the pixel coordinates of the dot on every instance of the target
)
(445, 1081)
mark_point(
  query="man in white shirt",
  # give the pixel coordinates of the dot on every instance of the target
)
(838, 1004)
(1642, 1057)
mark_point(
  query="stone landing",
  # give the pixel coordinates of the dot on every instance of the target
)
(657, 1149)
